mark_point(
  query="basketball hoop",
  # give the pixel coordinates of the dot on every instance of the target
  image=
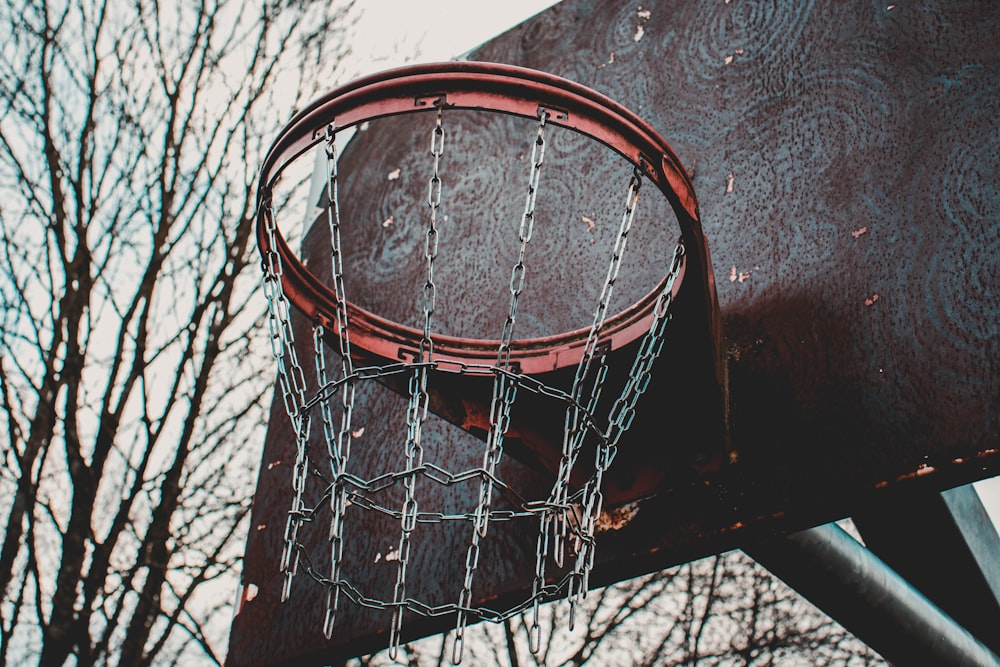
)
(568, 369)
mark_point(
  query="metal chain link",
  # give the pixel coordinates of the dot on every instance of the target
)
(573, 434)
(416, 412)
(504, 390)
(354, 594)
(339, 443)
(291, 381)
(593, 498)
(621, 417)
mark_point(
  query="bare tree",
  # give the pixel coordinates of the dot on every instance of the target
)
(133, 374)
(723, 610)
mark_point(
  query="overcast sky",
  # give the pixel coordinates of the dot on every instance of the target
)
(390, 33)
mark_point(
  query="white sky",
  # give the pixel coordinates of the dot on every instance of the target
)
(391, 33)
(989, 493)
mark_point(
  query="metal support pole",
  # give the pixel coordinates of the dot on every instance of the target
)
(840, 576)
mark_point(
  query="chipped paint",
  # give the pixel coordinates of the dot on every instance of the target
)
(730, 182)
(358, 432)
(643, 15)
(591, 223)
(870, 301)
(617, 518)
(858, 232)
(389, 222)
(922, 470)
(394, 174)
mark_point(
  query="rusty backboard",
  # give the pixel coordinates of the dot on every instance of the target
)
(846, 165)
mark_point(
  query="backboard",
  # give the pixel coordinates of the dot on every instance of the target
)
(845, 163)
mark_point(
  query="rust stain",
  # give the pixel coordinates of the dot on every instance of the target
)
(736, 351)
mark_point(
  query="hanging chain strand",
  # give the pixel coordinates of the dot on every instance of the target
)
(417, 410)
(504, 390)
(623, 411)
(579, 583)
(573, 431)
(339, 443)
(291, 381)
(621, 417)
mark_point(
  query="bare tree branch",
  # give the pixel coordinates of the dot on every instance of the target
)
(129, 131)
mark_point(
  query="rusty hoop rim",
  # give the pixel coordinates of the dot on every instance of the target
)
(500, 88)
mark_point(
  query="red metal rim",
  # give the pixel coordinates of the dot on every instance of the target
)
(493, 87)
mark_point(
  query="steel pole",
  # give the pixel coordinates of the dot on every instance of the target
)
(844, 579)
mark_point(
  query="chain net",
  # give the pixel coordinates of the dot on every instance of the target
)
(566, 519)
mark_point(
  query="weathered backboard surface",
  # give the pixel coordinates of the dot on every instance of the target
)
(847, 167)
